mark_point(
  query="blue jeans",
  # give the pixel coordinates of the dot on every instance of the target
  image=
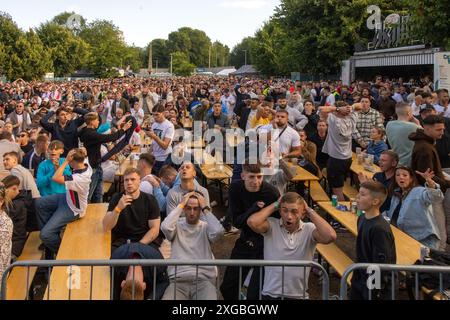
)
(96, 188)
(53, 213)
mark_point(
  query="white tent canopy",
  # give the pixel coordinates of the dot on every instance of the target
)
(226, 72)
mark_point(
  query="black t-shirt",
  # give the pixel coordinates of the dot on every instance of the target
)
(133, 220)
(243, 205)
(27, 148)
(374, 244)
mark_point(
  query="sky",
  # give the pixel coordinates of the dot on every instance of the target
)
(227, 21)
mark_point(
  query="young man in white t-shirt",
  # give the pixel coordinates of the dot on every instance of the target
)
(341, 120)
(289, 238)
(162, 133)
(56, 211)
(287, 138)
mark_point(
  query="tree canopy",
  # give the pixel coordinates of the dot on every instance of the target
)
(309, 36)
(67, 51)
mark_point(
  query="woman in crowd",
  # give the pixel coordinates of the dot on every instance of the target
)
(411, 207)
(6, 230)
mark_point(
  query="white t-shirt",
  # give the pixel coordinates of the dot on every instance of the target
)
(163, 130)
(415, 109)
(138, 115)
(77, 190)
(287, 139)
(282, 245)
(109, 167)
(338, 143)
(146, 187)
(230, 102)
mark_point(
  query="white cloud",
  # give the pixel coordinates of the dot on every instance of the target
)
(244, 4)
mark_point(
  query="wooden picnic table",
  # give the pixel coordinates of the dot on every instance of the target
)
(407, 248)
(302, 174)
(83, 239)
(220, 173)
(359, 168)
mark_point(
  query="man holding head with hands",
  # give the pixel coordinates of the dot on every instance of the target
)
(289, 238)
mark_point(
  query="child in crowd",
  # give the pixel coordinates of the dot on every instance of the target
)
(377, 145)
(375, 241)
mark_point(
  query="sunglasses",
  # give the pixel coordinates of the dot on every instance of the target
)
(22, 135)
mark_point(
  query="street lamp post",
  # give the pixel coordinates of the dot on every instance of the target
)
(156, 65)
(171, 63)
(245, 57)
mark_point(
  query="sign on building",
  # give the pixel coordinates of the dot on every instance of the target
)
(395, 31)
(442, 70)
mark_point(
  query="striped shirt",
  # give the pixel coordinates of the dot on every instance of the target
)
(365, 123)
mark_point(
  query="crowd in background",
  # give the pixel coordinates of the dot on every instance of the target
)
(59, 141)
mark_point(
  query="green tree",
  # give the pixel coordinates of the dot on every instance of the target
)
(220, 54)
(132, 58)
(9, 35)
(160, 53)
(237, 55)
(107, 47)
(68, 52)
(268, 47)
(431, 21)
(194, 43)
(322, 33)
(2, 56)
(27, 57)
(181, 64)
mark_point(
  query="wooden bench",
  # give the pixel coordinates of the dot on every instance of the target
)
(349, 191)
(83, 239)
(335, 258)
(17, 286)
(317, 193)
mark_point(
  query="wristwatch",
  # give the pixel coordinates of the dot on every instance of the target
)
(337, 109)
(206, 208)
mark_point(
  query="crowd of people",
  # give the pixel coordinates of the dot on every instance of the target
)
(59, 141)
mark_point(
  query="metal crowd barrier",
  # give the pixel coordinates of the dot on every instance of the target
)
(158, 263)
(394, 270)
